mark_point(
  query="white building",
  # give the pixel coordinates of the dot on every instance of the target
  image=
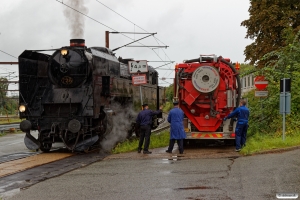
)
(247, 83)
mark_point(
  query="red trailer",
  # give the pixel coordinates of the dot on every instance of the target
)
(208, 89)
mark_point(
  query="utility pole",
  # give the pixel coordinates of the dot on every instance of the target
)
(107, 39)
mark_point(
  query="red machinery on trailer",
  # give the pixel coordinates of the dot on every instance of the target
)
(208, 89)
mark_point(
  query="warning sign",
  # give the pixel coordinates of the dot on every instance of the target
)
(139, 79)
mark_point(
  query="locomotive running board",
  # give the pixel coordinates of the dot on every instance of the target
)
(83, 145)
(30, 142)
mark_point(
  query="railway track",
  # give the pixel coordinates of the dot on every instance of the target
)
(47, 165)
(7, 127)
(159, 130)
(18, 162)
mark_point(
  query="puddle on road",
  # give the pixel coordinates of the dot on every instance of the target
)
(173, 158)
(10, 193)
(5, 192)
(194, 188)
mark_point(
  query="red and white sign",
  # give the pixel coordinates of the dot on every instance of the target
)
(139, 79)
(260, 82)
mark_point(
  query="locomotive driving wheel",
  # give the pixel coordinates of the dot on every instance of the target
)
(46, 143)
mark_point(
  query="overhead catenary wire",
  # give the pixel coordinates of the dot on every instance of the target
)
(96, 20)
(126, 19)
(116, 30)
(140, 28)
(110, 27)
(8, 54)
(165, 81)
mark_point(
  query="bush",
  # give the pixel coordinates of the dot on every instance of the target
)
(264, 112)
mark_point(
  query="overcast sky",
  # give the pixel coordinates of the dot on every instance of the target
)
(188, 27)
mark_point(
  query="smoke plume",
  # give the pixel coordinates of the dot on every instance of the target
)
(75, 19)
(121, 123)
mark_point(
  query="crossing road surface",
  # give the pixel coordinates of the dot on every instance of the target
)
(168, 176)
(12, 143)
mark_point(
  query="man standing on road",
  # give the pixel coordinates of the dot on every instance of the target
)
(175, 118)
(242, 113)
(144, 119)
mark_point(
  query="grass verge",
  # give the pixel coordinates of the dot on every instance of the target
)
(255, 144)
(10, 120)
(259, 143)
(156, 141)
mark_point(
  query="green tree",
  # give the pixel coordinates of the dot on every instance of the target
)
(268, 19)
(3, 92)
(265, 117)
(246, 69)
(170, 92)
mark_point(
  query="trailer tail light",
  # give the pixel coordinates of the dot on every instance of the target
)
(232, 135)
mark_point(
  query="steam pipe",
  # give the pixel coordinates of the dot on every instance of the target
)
(237, 78)
(198, 59)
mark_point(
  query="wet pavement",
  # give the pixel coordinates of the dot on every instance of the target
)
(202, 173)
(12, 184)
(189, 153)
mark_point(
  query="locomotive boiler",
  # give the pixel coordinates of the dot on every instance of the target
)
(208, 88)
(72, 95)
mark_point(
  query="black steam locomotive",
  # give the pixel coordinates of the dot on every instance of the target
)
(69, 96)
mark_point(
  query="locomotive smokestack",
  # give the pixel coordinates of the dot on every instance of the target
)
(77, 42)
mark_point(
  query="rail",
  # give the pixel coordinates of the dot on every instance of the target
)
(159, 130)
(163, 126)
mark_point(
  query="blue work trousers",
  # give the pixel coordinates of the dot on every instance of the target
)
(240, 135)
(145, 132)
(180, 145)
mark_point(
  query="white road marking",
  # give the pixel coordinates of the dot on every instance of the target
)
(13, 143)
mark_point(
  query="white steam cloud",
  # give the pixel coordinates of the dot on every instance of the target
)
(75, 19)
(121, 123)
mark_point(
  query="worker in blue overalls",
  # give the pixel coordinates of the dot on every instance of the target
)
(144, 119)
(175, 118)
(242, 113)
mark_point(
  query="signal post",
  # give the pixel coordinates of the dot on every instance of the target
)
(261, 83)
(285, 101)
(137, 68)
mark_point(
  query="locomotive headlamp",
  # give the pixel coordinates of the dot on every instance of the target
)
(22, 108)
(64, 52)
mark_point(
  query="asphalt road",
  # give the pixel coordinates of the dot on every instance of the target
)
(167, 176)
(12, 143)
